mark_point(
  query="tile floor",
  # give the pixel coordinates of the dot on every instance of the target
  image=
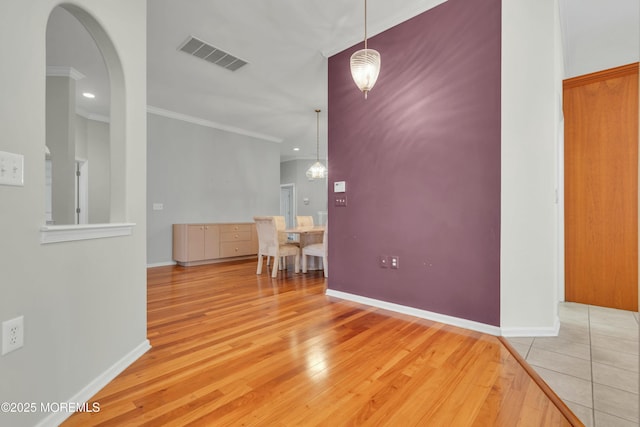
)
(593, 364)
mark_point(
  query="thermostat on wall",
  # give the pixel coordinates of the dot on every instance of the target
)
(339, 187)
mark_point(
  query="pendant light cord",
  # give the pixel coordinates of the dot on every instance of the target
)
(365, 24)
(318, 135)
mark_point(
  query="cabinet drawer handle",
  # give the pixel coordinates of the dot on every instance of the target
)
(236, 237)
(236, 249)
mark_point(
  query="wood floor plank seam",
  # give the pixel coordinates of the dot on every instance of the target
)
(232, 348)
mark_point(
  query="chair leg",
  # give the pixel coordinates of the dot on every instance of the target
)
(259, 271)
(325, 266)
(304, 263)
(297, 263)
(276, 260)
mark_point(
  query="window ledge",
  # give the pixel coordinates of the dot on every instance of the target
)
(70, 233)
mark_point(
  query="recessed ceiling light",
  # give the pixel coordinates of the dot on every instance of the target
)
(296, 148)
(88, 95)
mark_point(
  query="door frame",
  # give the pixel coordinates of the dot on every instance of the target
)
(294, 207)
(560, 209)
(82, 191)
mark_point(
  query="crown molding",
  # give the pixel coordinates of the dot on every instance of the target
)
(57, 71)
(207, 123)
(92, 116)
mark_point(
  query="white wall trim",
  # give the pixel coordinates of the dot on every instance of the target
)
(442, 318)
(202, 122)
(70, 233)
(161, 264)
(58, 71)
(90, 390)
(551, 331)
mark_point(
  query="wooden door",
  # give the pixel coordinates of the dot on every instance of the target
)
(601, 188)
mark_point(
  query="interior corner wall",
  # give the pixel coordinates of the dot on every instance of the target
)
(99, 158)
(205, 175)
(421, 161)
(83, 302)
(531, 114)
(311, 196)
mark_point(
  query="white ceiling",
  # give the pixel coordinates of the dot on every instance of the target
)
(599, 34)
(286, 43)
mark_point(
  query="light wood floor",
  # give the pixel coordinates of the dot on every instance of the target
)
(230, 348)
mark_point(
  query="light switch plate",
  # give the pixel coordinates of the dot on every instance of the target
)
(339, 187)
(11, 169)
(158, 206)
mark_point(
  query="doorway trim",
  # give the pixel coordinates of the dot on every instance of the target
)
(82, 191)
(292, 199)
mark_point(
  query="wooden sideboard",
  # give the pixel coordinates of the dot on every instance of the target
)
(196, 244)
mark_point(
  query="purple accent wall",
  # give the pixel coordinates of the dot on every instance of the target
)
(421, 161)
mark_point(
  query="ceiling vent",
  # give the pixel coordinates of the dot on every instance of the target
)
(196, 47)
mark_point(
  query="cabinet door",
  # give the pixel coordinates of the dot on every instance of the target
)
(211, 241)
(254, 239)
(195, 242)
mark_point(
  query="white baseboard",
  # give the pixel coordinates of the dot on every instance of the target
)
(84, 395)
(551, 331)
(442, 318)
(161, 264)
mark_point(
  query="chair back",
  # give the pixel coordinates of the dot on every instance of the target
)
(267, 234)
(281, 225)
(304, 221)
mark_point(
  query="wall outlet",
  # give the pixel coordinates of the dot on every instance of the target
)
(12, 334)
(394, 262)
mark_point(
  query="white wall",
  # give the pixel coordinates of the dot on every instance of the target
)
(200, 174)
(84, 302)
(530, 119)
(293, 172)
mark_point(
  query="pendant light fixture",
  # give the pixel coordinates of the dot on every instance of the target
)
(317, 170)
(365, 63)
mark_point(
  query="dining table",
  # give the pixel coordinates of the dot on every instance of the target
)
(308, 236)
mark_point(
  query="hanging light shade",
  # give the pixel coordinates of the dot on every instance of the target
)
(365, 63)
(317, 170)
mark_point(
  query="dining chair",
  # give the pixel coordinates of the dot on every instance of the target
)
(319, 250)
(269, 244)
(304, 221)
(281, 225)
(283, 238)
